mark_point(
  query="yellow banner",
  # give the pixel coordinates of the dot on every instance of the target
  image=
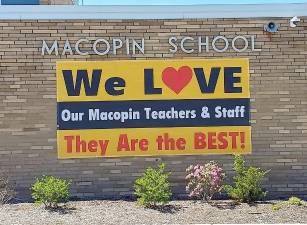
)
(154, 141)
(175, 79)
(153, 107)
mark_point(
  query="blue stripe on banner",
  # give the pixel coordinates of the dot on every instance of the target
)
(153, 113)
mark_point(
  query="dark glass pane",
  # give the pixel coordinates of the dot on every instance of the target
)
(20, 2)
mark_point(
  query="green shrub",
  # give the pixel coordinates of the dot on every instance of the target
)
(50, 191)
(153, 187)
(291, 201)
(247, 182)
(296, 201)
(277, 206)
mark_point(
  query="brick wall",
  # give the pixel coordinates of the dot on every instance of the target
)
(28, 102)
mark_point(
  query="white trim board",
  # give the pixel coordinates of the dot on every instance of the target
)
(58, 12)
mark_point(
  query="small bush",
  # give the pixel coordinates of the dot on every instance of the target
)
(291, 201)
(296, 201)
(50, 191)
(153, 187)
(277, 206)
(6, 191)
(247, 182)
(204, 181)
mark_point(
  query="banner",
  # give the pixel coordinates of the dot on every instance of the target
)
(153, 107)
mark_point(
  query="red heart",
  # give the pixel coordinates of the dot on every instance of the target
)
(177, 80)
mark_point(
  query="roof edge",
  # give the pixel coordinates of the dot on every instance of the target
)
(57, 12)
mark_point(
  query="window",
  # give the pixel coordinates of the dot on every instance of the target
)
(19, 2)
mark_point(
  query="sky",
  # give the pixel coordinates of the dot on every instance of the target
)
(182, 2)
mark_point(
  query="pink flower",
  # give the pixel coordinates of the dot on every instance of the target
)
(204, 181)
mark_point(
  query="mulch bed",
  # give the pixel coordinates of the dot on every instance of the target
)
(128, 212)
